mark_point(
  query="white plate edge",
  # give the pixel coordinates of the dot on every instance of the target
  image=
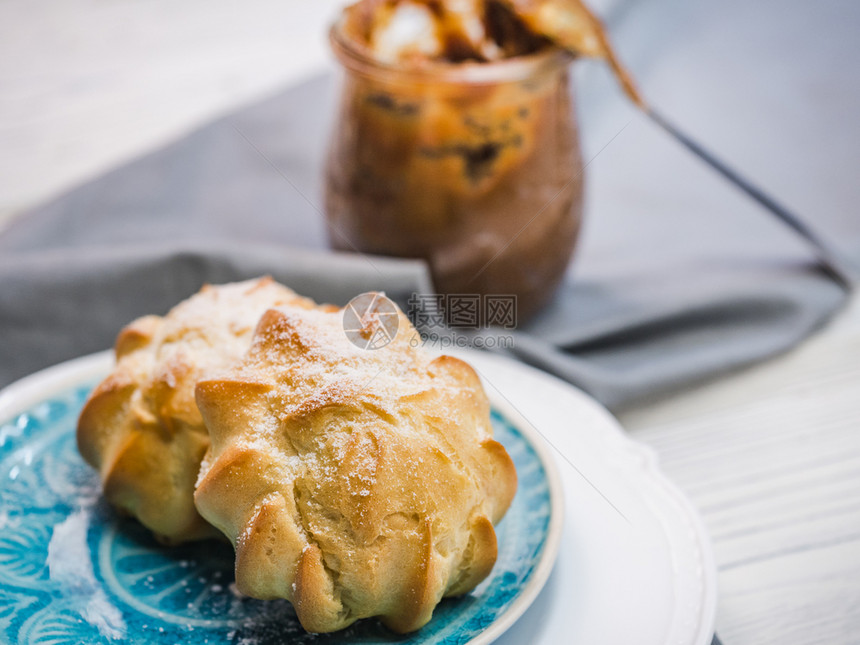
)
(649, 460)
(24, 393)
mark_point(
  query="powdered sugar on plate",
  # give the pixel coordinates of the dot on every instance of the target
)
(71, 569)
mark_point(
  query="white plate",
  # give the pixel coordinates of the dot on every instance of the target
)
(635, 564)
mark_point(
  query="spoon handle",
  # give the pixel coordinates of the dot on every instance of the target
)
(831, 262)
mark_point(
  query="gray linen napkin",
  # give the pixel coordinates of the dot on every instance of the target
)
(677, 279)
(77, 269)
(57, 305)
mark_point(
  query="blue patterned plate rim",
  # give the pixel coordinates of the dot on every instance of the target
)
(119, 555)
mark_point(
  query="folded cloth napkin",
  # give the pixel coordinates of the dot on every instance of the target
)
(56, 305)
(238, 198)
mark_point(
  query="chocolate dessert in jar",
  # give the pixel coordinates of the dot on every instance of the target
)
(459, 150)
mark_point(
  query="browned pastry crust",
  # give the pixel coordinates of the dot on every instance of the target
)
(352, 482)
(141, 429)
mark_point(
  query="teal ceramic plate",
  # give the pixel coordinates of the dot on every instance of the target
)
(71, 570)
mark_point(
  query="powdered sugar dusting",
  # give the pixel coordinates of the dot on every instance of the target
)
(343, 445)
(316, 364)
(71, 569)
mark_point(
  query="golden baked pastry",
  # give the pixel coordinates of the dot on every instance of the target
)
(140, 428)
(352, 482)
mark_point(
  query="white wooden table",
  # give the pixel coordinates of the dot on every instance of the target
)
(771, 456)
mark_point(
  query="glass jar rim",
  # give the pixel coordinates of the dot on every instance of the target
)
(506, 70)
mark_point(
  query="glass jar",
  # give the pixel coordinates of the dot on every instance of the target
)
(474, 167)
